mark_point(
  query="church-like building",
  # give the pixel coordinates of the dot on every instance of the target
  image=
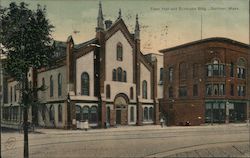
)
(106, 81)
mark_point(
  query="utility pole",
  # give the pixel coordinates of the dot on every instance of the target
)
(1, 96)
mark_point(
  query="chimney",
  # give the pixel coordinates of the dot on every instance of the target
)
(108, 24)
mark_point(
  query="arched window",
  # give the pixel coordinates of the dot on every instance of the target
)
(124, 76)
(119, 71)
(171, 71)
(85, 83)
(114, 75)
(93, 114)
(215, 67)
(51, 113)
(170, 92)
(144, 89)
(132, 117)
(151, 113)
(145, 114)
(59, 113)
(85, 113)
(131, 93)
(51, 86)
(119, 52)
(209, 70)
(78, 113)
(161, 74)
(108, 91)
(59, 84)
(241, 68)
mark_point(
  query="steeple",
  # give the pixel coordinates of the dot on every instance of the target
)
(100, 25)
(137, 28)
(119, 14)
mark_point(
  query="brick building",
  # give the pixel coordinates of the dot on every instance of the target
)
(207, 81)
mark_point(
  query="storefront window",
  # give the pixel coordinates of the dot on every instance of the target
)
(78, 113)
(85, 113)
(145, 114)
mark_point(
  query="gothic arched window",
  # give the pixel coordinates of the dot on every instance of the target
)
(124, 76)
(145, 114)
(144, 89)
(93, 114)
(108, 91)
(85, 83)
(51, 113)
(119, 72)
(119, 52)
(59, 84)
(114, 74)
(85, 113)
(51, 86)
(151, 113)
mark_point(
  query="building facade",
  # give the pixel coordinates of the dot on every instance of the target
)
(106, 81)
(207, 81)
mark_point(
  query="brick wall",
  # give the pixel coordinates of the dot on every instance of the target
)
(202, 52)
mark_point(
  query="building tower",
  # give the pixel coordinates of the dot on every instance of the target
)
(100, 24)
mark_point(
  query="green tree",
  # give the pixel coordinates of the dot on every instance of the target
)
(26, 35)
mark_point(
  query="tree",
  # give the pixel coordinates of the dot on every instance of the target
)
(26, 35)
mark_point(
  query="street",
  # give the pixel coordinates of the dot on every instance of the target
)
(133, 141)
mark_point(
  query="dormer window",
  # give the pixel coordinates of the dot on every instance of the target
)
(119, 52)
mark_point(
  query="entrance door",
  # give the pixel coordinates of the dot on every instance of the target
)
(118, 117)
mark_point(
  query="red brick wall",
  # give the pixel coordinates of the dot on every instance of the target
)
(201, 53)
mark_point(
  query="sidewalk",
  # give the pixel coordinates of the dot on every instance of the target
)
(135, 128)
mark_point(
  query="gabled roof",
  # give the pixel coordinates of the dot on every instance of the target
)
(213, 39)
(120, 25)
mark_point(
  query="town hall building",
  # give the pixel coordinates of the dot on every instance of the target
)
(106, 81)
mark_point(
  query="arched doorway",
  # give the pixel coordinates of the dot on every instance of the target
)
(121, 107)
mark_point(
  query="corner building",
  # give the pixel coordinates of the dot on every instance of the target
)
(207, 81)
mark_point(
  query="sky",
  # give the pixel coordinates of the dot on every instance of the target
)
(163, 23)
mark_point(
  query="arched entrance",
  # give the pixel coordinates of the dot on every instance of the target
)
(121, 107)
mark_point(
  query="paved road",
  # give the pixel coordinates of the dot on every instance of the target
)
(146, 141)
